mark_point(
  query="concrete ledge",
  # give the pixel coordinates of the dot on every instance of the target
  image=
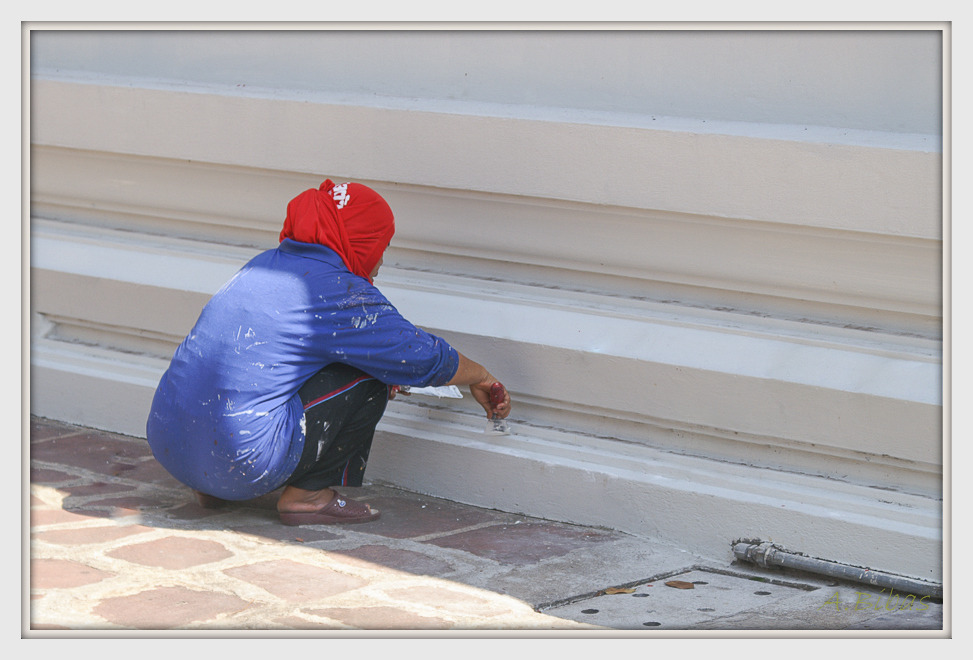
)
(93, 386)
(703, 505)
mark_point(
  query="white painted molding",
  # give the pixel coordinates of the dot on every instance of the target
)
(562, 350)
(887, 183)
(818, 275)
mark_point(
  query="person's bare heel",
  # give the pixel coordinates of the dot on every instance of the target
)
(208, 501)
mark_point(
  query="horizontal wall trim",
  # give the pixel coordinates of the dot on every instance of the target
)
(878, 399)
(779, 270)
(859, 187)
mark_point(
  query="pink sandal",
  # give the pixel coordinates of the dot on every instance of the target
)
(340, 510)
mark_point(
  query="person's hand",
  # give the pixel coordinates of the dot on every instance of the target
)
(480, 381)
(481, 393)
(397, 389)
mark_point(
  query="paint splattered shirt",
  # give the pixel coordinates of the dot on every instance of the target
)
(226, 418)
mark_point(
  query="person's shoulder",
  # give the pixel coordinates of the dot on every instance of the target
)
(351, 291)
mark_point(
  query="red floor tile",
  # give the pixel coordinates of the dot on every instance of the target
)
(89, 535)
(296, 582)
(413, 516)
(172, 552)
(168, 607)
(522, 544)
(63, 574)
(397, 559)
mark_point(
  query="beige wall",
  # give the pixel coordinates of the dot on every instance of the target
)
(874, 80)
(708, 265)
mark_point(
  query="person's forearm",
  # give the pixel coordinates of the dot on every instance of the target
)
(470, 373)
(480, 381)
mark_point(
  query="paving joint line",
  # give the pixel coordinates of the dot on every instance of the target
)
(461, 530)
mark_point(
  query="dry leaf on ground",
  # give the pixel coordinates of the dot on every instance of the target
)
(679, 584)
(618, 590)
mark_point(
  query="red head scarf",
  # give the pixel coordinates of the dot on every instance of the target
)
(350, 218)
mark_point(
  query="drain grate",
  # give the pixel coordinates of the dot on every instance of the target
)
(701, 595)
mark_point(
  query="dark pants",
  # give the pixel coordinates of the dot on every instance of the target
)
(342, 406)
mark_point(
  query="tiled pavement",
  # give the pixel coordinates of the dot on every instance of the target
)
(118, 545)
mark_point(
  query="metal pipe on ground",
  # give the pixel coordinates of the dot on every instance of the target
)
(767, 554)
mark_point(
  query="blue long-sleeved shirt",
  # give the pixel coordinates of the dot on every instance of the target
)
(226, 418)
